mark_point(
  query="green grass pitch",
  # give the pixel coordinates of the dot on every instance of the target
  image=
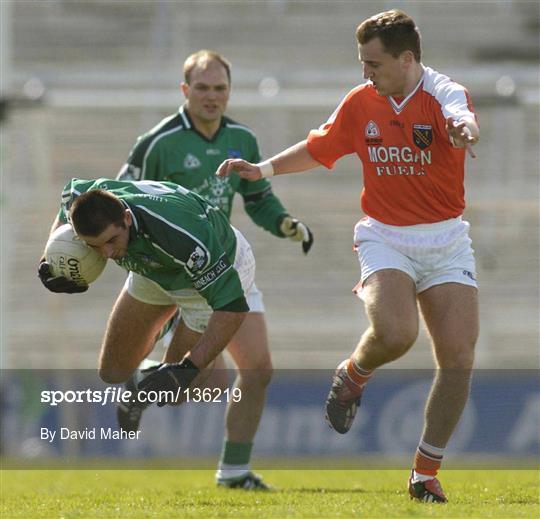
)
(299, 493)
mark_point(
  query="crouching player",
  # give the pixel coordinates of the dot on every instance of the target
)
(181, 253)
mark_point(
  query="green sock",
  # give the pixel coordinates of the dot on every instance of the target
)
(235, 453)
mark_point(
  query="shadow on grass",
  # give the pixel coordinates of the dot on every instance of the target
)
(324, 491)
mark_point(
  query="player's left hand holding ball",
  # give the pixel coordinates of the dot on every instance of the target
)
(69, 265)
(295, 230)
(58, 284)
(168, 377)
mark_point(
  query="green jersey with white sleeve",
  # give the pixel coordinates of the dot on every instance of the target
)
(175, 151)
(177, 239)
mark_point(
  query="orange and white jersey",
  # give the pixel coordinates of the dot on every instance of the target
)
(412, 172)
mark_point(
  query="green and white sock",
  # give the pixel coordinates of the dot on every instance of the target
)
(234, 461)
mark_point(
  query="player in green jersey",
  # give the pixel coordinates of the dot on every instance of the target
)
(187, 148)
(180, 252)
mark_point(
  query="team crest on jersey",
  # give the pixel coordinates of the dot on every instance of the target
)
(191, 162)
(422, 135)
(197, 260)
(372, 130)
(218, 186)
(234, 154)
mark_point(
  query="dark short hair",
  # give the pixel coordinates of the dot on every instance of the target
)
(202, 58)
(396, 30)
(92, 212)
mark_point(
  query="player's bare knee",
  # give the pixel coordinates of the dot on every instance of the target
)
(466, 359)
(265, 376)
(259, 375)
(458, 360)
(396, 341)
(456, 355)
(113, 376)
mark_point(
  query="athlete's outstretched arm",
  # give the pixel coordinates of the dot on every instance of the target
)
(293, 160)
(464, 134)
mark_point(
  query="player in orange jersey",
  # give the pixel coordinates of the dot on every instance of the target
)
(410, 127)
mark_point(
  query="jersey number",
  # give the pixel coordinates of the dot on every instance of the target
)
(155, 188)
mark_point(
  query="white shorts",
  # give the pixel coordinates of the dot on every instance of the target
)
(431, 254)
(195, 311)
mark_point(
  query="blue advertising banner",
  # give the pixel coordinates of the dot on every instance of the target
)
(71, 414)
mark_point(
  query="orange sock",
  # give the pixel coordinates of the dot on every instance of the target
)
(428, 459)
(356, 374)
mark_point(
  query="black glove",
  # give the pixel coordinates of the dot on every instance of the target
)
(295, 230)
(59, 283)
(168, 377)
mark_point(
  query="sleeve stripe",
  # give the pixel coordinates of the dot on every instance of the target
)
(184, 118)
(153, 143)
(133, 217)
(176, 260)
(67, 199)
(258, 195)
(176, 227)
(241, 127)
(68, 192)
